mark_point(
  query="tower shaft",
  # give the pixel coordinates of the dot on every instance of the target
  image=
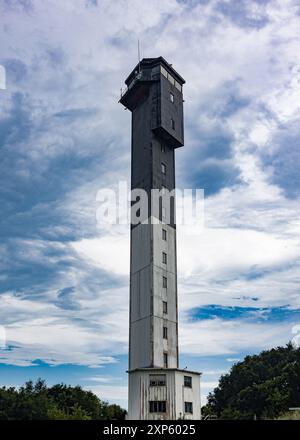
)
(153, 273)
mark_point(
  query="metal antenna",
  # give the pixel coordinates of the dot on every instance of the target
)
(139, 55)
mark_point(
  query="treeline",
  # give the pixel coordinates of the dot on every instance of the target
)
(262, 386)
(36, 401)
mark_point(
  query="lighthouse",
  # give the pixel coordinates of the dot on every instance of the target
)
(157, 388)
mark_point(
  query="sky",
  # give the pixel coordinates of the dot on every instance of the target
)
(64, 279)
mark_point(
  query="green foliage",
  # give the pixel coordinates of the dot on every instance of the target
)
(114, 412)
(291, 415)
(59, 402)
(74, 413)
(262, 386)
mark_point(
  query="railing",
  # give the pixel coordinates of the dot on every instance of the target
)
(143, 75)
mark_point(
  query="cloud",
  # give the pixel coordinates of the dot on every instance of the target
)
(102, 379)
(58, 310)
(231, 252)
(245, 14)
(110, 392)
(111, 252)
(15, 127)
(18, 5)
(41, 329)
(218, 337)
(16, 70)
(283, 157)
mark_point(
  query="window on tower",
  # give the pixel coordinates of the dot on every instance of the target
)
(164, 234)
(157, 380)
(164, 72)
(163, 168)
(165, 307)
(157, 406)
(187, 381)
(178, 86)
(164, 258)
(171, 79)
(165, 282)
(171, 97)
(165, 360)
(172, 123)
(188, 407)
(165, 332)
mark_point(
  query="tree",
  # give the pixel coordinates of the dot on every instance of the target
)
(114, 412)
(67, 397)
(261, 386)
(59, 402)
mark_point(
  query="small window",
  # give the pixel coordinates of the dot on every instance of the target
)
(165, 307)
(163, 168)
(165, 360)
(164, 258)
(171, 79)
(163, 71)
(178, 86)
(165, 332)
(171, 97)
(165, 282)
(172, 123)
(163, 148)
(188, 407)
(188, 381)
(164, 234)
(157, 406)
(157, 380)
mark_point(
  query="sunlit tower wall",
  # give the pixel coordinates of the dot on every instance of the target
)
(158, 389)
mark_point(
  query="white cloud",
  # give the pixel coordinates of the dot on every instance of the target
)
(112, 393)
(217, 252)
(102, 379)
(212, 372)
(77, 325)
(208, 385)
(217, 336)
(110, 252)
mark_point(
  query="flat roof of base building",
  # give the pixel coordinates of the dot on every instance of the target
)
(165, 369)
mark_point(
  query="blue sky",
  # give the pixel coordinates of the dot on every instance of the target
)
(63, 136)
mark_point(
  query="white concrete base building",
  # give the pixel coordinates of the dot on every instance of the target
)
(164, 394)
